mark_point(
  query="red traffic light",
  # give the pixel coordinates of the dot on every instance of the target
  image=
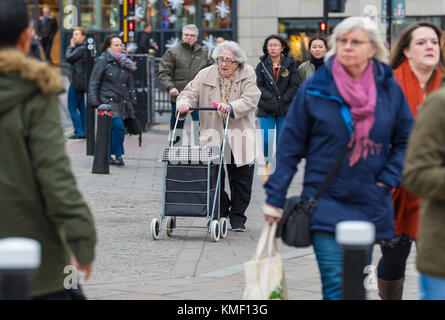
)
(130, 2)
(323, 26)
(131, 26)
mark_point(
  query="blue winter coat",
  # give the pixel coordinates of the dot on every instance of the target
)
(315, 129)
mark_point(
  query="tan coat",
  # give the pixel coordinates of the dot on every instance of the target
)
(244, 97)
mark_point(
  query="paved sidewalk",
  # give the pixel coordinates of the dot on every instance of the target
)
(188, 265)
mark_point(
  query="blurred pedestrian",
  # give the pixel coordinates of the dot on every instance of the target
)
(36, 47)
(146, 42)
(232, 85)
(76, 55)
(112, 83)
(38, 193)
(277, 78)
(416, 59)
(352, 100)
(423, 175)
(318, 47)
(46, 31)
(179, 66)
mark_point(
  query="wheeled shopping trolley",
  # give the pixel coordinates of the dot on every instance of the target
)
(192, 187)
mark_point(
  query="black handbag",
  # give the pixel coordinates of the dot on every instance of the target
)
(294, 226)
(79, 82)
(133, 128)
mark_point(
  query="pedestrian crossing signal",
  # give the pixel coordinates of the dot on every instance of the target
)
(322, 26)
(131, 8)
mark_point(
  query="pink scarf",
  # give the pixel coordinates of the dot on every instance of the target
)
(361, 96)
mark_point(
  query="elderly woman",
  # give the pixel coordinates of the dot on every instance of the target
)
(416, 60)
(351, 100)
(231, 84)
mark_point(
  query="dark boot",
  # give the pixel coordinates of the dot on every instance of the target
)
(111, 161)
(390, 290)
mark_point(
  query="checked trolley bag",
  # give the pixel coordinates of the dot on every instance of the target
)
(192, 187)
(264, 274)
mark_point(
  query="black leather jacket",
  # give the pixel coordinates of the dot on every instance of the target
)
(114, 85)
(276, 97)
(76, 57)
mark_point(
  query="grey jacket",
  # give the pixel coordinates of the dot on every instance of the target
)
(114, 85)
(181, 64)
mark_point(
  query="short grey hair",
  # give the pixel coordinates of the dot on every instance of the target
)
(191, 27)
(365, 23)
(234, 47)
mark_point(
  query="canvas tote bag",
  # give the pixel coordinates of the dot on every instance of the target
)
(264, 274)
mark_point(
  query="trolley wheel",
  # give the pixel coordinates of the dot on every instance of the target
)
(155, 231)
(215, 231)
(224, 223)
(171, 225)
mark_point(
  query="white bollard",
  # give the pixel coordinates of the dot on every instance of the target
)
(356, 239)
(19, 257)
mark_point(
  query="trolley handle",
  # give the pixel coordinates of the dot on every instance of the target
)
(201, 109)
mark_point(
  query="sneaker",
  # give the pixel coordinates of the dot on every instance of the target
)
(239, 228)
(73, 137)
(119, 161)
(111, 161)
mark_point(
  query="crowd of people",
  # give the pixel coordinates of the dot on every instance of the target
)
(385, 107)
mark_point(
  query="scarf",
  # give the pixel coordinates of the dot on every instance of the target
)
(123, 60)
(317, 62)
(410, 85)
(225, 86)
(361, 96)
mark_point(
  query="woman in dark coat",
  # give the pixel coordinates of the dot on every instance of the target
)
(277, 79)
(112, 83)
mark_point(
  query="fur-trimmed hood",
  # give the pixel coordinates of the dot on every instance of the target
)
(21, 76)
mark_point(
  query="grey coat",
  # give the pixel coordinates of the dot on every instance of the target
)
(114, 85)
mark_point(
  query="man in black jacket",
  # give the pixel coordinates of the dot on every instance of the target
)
(76, 57)
(47, 30)
(146, 42)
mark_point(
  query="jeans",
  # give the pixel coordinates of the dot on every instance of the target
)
(117, 137)
(268, 124)
(431, 288)
(330, 263)
(180, 126)
(77, 109)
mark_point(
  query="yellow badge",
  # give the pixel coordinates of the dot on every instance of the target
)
(285, 73)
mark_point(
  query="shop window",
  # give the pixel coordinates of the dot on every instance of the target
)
(177, 13)
(99, 14)
(216, 14)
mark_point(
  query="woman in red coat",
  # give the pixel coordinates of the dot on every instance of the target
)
(416, 60)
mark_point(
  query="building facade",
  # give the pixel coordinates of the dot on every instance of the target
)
(247, 21)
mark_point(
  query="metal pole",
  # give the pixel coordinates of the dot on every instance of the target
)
(326, 16)
(356, 239)
(91, 112)
(101, 164)
(388, 22)
(19, 258)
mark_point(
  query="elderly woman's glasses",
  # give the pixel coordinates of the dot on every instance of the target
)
(354, 43)
(226, 61)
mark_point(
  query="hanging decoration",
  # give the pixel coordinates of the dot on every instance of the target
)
(175, 4)
(172, 19)
(208, 16)
(152, 2)
(222, 9)
(209, 1)
(172, 42)
(209, 43)
(192, 10)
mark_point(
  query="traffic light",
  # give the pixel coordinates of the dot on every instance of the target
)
(322, 27)
(131, 8)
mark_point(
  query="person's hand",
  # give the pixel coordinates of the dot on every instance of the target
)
(272, 214)
(223, 107)
(183, 108)
(72, 43)
(87, 268)
(174, 92)
(383, 185)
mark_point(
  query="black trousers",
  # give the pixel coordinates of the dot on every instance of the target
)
(240, 182)
(47, 43)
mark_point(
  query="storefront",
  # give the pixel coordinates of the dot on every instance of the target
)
(214, 18)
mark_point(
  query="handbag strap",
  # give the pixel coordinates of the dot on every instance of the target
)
(267, 237)
(312, 203)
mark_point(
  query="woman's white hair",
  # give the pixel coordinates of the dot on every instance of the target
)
(366, 24)
(234, 47)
